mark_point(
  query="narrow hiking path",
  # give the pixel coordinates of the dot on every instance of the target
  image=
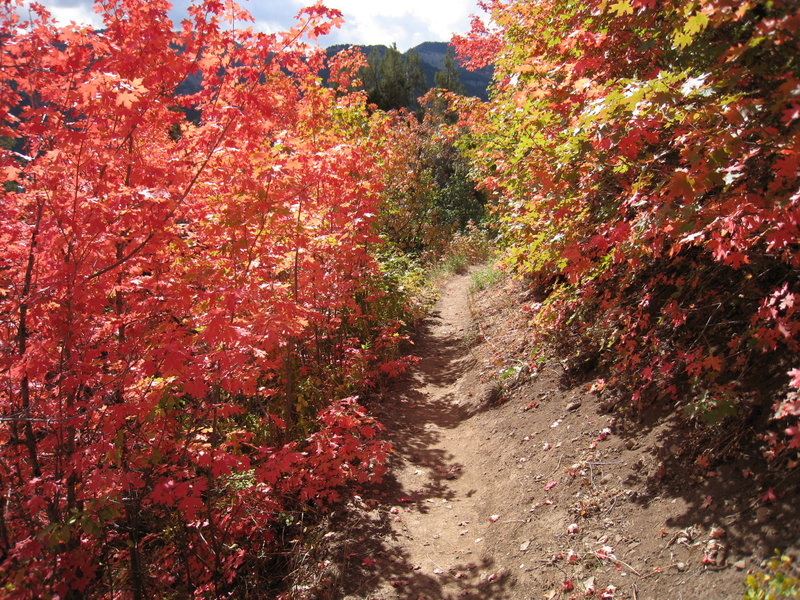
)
(526, 487)
(435, 542)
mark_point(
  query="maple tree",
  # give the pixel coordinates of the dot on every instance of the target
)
(428, 194)
(188, 293)
(644, 156)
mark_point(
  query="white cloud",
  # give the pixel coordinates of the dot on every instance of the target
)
(407, 23)
(66, 11)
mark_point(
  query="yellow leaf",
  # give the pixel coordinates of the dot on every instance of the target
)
(681, 39)
(622, 7)
(696, 24)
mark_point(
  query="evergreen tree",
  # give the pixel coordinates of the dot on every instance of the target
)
(370, 76)
(392, 85)
(448, 78)
(415, 78)
(393, 80)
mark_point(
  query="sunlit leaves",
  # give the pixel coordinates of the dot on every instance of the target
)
(621, 7)
(636, 114)
(188, 288)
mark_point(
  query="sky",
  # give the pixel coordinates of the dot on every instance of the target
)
(404, 22)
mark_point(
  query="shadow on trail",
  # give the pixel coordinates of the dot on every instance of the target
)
(415, 410)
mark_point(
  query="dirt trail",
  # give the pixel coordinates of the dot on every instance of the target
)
(435, 541)
(512, 481)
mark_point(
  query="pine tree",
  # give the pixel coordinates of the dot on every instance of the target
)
(448, 78)
(392, 85)
(415, 78)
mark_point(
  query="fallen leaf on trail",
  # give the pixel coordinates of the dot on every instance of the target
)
(606, 552)
(492, 577)
(368, 562)
(703, 461)
(588, 586)
(573, 528)
(768, 496)
(405, 500)
(494, 518)
(716, 533)
(567, 585)
(608, 593)
(708, 501)
(550, 485)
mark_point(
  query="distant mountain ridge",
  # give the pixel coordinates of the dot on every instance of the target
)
(431, 56)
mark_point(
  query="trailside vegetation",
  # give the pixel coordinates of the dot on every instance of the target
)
(187, 306)
(644, 158)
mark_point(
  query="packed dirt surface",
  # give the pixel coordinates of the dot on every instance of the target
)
(513, 480)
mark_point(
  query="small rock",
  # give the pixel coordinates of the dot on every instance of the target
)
(681, 566)
(740, 565)
(573, 406)
(630, 444)
(523, 547)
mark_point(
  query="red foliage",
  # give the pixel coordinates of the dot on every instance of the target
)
(162, 279)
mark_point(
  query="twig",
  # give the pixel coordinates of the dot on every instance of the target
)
(558, 466)
(613, 502)
(626, 565)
